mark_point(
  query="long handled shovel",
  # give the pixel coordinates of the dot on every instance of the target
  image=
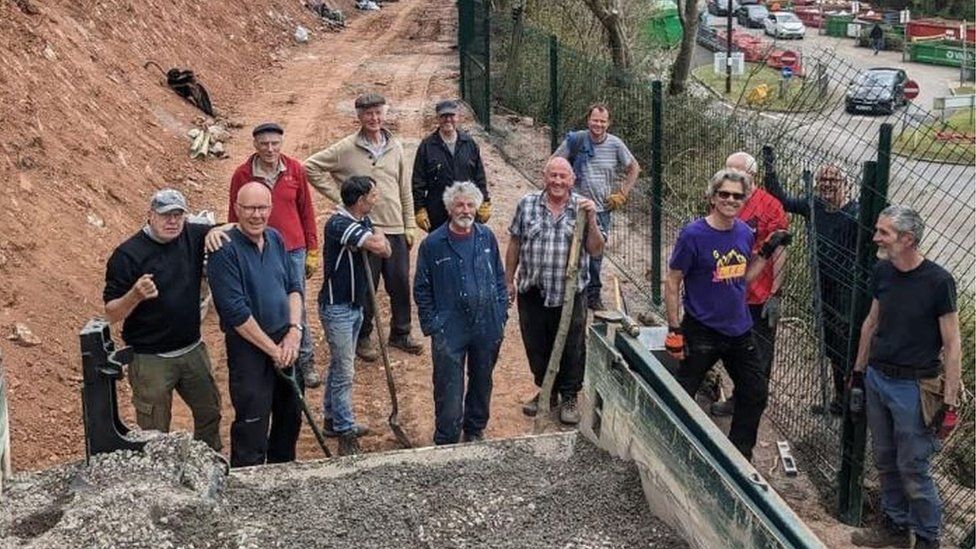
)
(394, 421)
(572, 276)
(308, 412)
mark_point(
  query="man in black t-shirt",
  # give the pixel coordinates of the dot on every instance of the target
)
(152, 285)
(909, 340)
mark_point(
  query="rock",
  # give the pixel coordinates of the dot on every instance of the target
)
(23, 336)
(301, 35)
(48, 52)
(94, 220)
(217, 149)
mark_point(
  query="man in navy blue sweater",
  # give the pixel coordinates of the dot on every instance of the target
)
(259, 300)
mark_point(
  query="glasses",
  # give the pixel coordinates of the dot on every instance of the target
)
(254, 209)
(728, 195)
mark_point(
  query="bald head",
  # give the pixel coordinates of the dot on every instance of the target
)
(557, 162)
(253, 207)
(254, 190)
(559, 177)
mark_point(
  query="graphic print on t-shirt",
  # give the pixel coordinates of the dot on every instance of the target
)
(729, 267)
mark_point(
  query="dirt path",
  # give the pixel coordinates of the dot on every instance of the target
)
(406, 51)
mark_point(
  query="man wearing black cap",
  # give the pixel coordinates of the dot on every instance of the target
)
(375, 152)
(444, 157)
(293, 216)
(152, 285)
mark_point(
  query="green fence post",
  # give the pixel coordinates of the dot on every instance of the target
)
(464, 23)
(487, 90)
(657, 190)
(553, 92)
(884, 160)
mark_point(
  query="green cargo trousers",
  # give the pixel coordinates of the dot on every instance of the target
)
(153, 379)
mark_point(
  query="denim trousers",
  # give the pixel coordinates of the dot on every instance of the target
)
(595, 285)
(342, 323)
(903, 448)
(306, 353)
(455, 408)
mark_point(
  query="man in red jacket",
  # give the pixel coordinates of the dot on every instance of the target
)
(292, 215)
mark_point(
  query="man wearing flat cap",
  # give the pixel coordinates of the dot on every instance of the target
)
(375, 152)
(293, 216)
(444, 157)
(152, 286)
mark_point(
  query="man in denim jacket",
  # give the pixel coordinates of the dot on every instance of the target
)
(465, 317)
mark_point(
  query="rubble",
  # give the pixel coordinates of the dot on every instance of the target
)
(23, 336)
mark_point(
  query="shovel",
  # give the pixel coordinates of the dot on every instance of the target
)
(394, 421)
(308, 412)
(572, 277)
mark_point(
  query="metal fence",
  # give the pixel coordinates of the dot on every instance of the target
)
(681, 141)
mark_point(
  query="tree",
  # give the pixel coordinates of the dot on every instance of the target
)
(688, 14)
(607, 13)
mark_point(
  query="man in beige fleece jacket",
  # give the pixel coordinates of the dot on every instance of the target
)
(375, 152)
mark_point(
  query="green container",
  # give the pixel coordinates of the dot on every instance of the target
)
(663, 28)
(941, 52)
(837, 25)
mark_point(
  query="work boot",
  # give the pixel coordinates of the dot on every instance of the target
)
(473, 437)
(310, 375)
(594, 303)
(329, 431)
(884, 535)
(925, 543)
(722, 409)
(366, 350)
(407, 344)
(349, 444)
(531, 408)
(835, 408)
(568, 411)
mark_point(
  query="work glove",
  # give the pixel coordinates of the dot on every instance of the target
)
(775, 240)
(311, 263)
(674, 344)
(409, 235)
(422, 219)
(944, 422)
(616, 201)
(771, 310)
(484, 212)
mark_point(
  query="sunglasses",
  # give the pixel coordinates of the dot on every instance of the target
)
(727, 195)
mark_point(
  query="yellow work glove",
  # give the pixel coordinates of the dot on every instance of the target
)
(616, 201)
(484, 212)
(422, 219)
(409, 235)
(311, 262)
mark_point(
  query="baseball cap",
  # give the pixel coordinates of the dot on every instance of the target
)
(168, 200)
(368, 100)
(267, 127)
(448, 106)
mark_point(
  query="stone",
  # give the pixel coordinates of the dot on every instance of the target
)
(23, 336)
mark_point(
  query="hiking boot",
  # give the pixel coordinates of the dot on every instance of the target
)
(367, 350)
(835, 408)
(722, 409)
(329, 431)
(594, 303)
(925, 543)
(407, 344)
(311, 376)
(349, 444)
(531, 408)
(474, 437)
(882, 536)
(569, 412)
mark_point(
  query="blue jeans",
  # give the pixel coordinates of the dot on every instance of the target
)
(903, 447)
(306, 353)
(454, 408)
(342, 324)
(595, 285)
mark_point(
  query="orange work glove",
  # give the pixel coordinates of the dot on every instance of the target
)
(422, 219)
(675, 343)
(616, 201)
(311, 262)
(484, 212)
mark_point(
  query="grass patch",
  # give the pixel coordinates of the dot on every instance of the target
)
(964, 90)
(801, 95)
(923, 143)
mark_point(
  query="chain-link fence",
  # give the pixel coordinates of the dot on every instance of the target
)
(835, 171)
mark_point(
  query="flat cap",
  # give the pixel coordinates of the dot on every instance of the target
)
(368, 100)
(448, 106)
(168, 200)
(267, 127)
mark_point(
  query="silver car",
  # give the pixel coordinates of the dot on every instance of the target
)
(784, 24)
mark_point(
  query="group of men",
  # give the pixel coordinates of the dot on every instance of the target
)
(725, 272)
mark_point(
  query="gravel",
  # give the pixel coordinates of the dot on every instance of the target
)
(551, 491)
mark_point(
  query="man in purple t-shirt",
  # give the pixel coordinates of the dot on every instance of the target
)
(713, 260)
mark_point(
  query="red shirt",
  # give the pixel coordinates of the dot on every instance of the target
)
(292, 213)
(763, 214)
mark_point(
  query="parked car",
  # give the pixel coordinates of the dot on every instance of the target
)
(880, 89)
(752, 16)
(784, 24)
(722, 7)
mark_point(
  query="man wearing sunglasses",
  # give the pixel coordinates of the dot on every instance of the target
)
(713, 260)
(835, 226)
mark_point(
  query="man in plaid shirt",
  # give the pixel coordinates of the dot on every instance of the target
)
(535, 269)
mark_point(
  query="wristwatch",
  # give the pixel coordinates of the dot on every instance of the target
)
(298, 327)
